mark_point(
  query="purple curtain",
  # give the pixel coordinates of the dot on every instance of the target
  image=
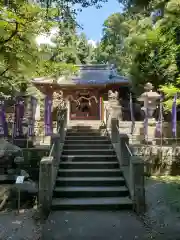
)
(174, 117)
(3, 122)
(48, 116)
(19, 115)
(31, 121)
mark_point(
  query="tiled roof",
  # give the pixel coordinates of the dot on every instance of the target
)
(89, 74)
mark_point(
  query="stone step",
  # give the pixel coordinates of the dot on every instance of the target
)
(90, 181)
(87, 146)
(89, 173)
(87, 141)
(79, 133)
(91, 165)
(83, 126)
(22, 143)
(89, 158)
(118, 203)
(86, 192)
(89, 176)
(83, 130)
(86, 138)
(74, 152)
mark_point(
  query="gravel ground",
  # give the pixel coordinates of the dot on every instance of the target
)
(21, 226)
(97, 225)
(163, 205)
(161, 222)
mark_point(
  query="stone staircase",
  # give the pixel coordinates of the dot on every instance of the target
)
(89, 176)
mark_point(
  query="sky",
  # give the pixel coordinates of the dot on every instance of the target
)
(92, 19)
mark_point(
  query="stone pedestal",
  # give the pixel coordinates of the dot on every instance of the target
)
(114, 112)
(46, 184)
(137, 184)
(150, 132)
(123, 147)
(114, 130)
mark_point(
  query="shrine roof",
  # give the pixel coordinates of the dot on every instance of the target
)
(101, 74)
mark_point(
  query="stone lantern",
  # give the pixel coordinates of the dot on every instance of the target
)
(149, 98)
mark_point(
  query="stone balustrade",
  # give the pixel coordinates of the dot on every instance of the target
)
(131, 165)
(159, 160)
(138, 134)
(49, 165)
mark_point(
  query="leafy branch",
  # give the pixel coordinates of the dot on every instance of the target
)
(12, 34)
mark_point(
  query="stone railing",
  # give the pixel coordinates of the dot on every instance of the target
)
(49, 165)
(159, 160)
(131, 165)
(138, 134)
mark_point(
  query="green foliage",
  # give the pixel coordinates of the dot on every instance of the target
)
(82, 3)
(19, 26)
(85, 52)
(143, 52)
(21, 58)
(111, 47)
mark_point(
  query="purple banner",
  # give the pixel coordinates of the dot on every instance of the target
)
(31, 120)
(146, 111)
(132, 114)
(174, 117)
(18, 118)
(3, 122)
(48, 116)
(159, 127)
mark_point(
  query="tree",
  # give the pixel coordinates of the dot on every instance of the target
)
(20, 23)
(68, 49)
(22, 59)
(144, 52)
(83, 3)
(112, 46)
(85, 51)
(20, 56)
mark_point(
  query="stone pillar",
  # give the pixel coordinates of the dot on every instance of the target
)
(55, 139)
(37, 113)
(62, 122)
(56, 153)
(137, 184)
(66, 118)
(63, 125)
(123, 146)
(108, 117)
(68, 112)
(114, 130)
(105, 106)
(45, 184)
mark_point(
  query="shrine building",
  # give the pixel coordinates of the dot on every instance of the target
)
(87, 92)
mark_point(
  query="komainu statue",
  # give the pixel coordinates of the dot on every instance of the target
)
(58, 101)
(114, 105)
(113, 95)
(59, 105)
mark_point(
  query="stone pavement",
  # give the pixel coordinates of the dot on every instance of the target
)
(19, 227)
(96, 225)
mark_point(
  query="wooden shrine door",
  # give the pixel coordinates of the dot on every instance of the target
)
(84, 105)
